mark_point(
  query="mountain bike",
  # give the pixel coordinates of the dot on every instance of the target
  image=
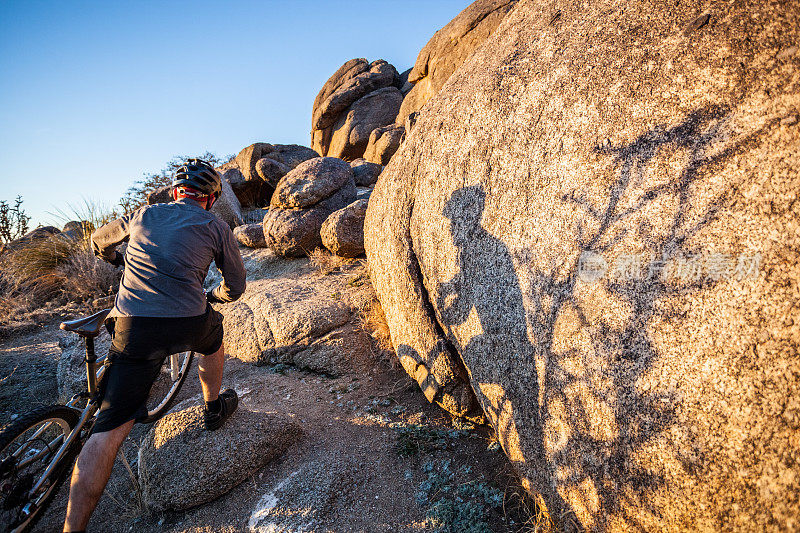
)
(38, 449)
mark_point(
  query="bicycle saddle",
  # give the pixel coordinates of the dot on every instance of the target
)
(88, 326)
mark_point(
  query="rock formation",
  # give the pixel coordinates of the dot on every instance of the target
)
(303, 200)
(353, 102)
(351, 132)
(383, 143)
(248, 192)
(365, 173)
(343, 232)
(261, 166)
(182, 465)
(449, 48)
(597, 217)
(293, 314)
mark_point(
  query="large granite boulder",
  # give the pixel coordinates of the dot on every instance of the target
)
(227, 206)
(343, 231)
(248, 192)
(247, 158)
(449, 48)
(383, 143)
(352, 129)
(304, 198)
(262, 165)
(350, 83)
(296, 318)
(597, 217)
(182, 465)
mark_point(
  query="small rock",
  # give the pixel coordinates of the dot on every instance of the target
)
(364, 172)
(250, 235)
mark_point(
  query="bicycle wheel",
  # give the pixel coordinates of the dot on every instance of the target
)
(27, 446)
(167, 385)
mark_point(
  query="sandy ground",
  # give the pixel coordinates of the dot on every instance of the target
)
(358, 430)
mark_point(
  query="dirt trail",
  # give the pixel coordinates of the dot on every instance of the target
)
(28, 370)
(375, 455)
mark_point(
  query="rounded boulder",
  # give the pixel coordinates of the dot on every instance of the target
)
(365, 173)
(311, 182)
(343, 231)
(250, 235)
(182, 465)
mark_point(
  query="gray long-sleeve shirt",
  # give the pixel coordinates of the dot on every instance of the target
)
(170, 247)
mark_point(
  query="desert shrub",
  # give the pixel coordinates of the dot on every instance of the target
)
(13, 221)
(87, 277)
(374, 322)
(57, 269)
(91, 214)
(416, 439)
(327, 262)
(454, 507)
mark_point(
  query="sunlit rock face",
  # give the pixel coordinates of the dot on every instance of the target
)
(448, 48)
(595, 226)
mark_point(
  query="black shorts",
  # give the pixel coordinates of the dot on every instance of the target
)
(139, 346)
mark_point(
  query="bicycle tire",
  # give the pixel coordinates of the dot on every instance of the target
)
(9, 434)
(166, 403)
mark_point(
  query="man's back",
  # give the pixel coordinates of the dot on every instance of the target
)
(169, 251)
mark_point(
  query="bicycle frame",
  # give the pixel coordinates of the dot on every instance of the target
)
(93, 377)
(95, 371)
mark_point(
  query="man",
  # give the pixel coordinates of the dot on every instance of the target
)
(160, 309)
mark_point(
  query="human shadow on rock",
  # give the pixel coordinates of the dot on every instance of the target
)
(517, 317)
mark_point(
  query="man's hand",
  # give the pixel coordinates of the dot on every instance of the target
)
(211, 298)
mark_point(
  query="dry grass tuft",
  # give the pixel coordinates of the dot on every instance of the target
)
(45, 272)
(374, 322)
(87, 277)
(326, 262)
(530, 511)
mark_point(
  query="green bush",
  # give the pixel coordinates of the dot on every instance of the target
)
(454, 507)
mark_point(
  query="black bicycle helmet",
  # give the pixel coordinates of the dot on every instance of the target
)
(198, 175)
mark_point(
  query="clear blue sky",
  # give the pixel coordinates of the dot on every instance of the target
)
(94, 94)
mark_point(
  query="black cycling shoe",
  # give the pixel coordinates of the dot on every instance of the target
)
(228, 400)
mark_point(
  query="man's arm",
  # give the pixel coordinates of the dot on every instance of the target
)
(106, 238)
(229, 263)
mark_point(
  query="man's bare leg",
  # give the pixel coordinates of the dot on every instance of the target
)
(91, 474)
(210, 369)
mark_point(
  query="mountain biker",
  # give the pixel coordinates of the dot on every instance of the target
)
(160, 309)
